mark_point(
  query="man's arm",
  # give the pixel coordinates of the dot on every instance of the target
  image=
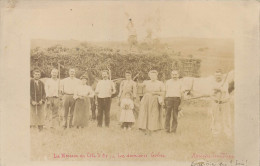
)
(97, 88)
(46, 86)
(134, 90)
(166, 87)
(32, 91)
(224, 90)
(91, 92)
(163, 90)
(120, 89)
(113, 87)
(62, 86)
(43, 93)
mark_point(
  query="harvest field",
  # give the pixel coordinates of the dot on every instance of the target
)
(192, 141)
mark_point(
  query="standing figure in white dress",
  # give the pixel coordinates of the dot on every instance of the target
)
(127, 115)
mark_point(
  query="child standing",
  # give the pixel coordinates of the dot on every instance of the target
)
(127, 115)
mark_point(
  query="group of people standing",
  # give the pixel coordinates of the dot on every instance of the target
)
(78, 98)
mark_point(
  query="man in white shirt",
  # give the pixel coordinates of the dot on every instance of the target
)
(172, 101)
(68, 86)
(104, 90)
(52, 98)
(220, 108)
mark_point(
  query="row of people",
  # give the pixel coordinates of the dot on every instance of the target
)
(76, 96)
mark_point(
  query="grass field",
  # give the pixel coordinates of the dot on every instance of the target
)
(193, 137)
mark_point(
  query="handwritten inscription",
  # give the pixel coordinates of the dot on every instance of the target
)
(219, 163)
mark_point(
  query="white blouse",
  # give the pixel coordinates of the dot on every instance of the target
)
(154, 86)
(83, 91)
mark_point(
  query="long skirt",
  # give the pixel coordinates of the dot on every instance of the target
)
(150, 114)
(81, 112)
(37, 115)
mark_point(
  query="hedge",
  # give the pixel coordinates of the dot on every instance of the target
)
(93, 59)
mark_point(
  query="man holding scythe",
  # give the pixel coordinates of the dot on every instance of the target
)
(52, 89)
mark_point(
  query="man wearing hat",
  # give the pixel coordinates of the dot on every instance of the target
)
(37, 98)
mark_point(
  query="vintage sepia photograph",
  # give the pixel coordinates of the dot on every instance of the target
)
(128, 85)
(171, 83)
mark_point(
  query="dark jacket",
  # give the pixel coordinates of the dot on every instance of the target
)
(37, 92)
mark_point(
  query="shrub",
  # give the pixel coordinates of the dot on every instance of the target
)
(92, 59)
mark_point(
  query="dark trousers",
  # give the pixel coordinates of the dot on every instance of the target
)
(103, 108)
(69, 104)
(93, 107)
(172, 105)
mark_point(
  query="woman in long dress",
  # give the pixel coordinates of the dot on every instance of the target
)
(126, 86)
(150, 116)
(82, 105)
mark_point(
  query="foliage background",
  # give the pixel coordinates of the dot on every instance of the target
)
(93, 59)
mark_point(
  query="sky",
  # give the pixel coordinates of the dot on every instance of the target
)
(107, 21)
